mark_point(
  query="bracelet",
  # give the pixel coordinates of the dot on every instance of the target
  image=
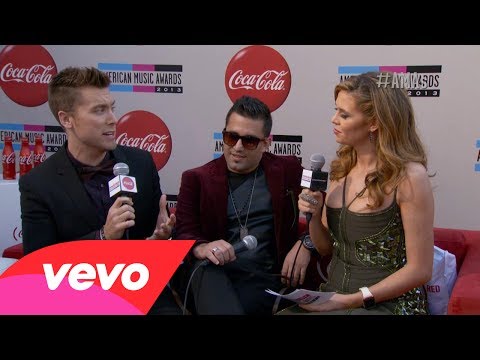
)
(102, 234)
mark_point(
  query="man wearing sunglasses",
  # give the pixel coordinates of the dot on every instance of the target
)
(246, 191)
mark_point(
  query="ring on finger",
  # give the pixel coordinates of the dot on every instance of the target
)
(310, 199)
(215, 249)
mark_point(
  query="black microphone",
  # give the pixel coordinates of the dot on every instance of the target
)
(249, 242)
(122, 184)
(315, 179)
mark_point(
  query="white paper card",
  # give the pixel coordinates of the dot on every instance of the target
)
(303, 296)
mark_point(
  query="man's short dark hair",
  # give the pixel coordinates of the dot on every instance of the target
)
(252, 108)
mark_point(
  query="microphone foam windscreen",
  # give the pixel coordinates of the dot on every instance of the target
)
(120, 169)
(317, 161)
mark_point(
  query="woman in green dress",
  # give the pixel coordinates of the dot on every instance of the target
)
(377, 222)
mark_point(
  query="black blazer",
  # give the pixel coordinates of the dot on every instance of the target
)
(55, 206)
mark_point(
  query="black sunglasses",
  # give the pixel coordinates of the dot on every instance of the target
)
(249, 142)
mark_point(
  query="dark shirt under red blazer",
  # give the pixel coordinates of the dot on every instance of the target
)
(202, 201)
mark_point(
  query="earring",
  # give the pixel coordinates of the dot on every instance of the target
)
(371, 137)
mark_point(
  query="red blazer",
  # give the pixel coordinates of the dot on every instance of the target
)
(202, 201)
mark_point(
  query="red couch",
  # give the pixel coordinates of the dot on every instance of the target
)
(464, 244)
(14, 251)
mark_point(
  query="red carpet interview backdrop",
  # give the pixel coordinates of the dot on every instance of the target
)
(172, 100)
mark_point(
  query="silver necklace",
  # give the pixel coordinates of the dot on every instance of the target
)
(243, 228)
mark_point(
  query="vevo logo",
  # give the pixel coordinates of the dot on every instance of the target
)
(82, 276)
(91, 277)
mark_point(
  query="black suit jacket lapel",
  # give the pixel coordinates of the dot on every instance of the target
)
(275, 178)
(69, 181)
(119, 155)
(218, 182)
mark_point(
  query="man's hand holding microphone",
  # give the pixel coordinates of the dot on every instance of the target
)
(121, 215)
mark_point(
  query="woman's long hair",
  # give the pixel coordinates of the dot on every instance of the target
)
(397, 141)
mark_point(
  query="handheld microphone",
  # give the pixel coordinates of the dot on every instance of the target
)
(249, 242)
(315, 179)
(122, 184)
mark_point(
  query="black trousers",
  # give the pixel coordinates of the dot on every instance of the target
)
(232, 290)
(165, 304)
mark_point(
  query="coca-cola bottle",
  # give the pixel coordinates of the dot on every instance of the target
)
(26, 157)
(8, 159)
(39, 155)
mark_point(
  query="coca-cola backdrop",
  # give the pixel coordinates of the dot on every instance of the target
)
(146, 131)
(172, 100)
(269, 79)
(25, 71)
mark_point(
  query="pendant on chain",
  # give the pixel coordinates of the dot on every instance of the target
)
(243, 232)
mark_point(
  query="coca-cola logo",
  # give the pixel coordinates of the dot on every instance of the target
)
(146, 131)
(30, 159)
(268, 80)
(259, 71)
(128, 183)
(151, 142)
(37, 74)
(17, 233)
(8, 158)
(26, 159)
(39, 158)
(25, 71)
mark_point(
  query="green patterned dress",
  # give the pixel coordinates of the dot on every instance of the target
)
(367, 248)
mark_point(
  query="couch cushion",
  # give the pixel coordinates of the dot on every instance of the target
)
(452, 240)
(465, 296)
(14, 251)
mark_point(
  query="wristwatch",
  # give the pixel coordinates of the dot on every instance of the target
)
(368, 299)
(307, 242)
